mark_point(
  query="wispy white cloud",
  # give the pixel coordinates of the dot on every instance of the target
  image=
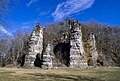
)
(3, 30)
(26, 25)
(71, 7)
(44, 13)
(31, 1)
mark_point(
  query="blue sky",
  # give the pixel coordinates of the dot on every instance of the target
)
(26, 13)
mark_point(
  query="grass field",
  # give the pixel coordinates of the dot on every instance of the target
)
(63, 74)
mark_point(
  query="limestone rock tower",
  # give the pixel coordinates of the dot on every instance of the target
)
(77, 54)
(35, 47)
(93, 50)
(47, 57)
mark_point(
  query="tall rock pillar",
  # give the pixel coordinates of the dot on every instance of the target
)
(77, 54)
(35, 47)
(47, 57)
(93, 50)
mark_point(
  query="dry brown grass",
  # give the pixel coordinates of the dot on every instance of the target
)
(61, 74)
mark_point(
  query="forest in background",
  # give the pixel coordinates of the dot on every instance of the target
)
(107, 43)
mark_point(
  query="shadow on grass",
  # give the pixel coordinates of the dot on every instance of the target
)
(65, 77)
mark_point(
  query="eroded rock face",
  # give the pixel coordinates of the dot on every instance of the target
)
(93, 50)
(35, 47)
(47, 57)
(77, 54)
(64, 37)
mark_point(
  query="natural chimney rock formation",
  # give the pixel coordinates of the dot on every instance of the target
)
(47, 57)
(69, 52)
(35, 47)
(93, 50)
(77, 54)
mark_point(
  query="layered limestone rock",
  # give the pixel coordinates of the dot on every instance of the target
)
(93, 50)
(47, 57)
(64, 37)
(35, 47)
(77, 54)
